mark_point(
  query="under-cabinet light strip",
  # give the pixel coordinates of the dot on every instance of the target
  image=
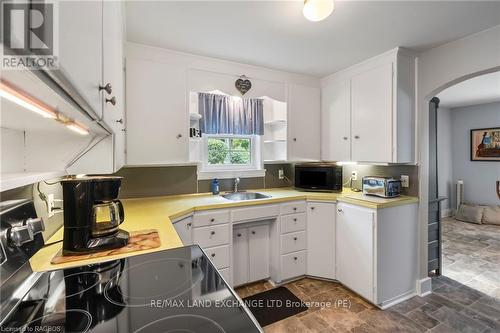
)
(13, 95)
(30, 103)
(80, 129)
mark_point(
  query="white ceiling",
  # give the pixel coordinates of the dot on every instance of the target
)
(275, 34)
(478, 90)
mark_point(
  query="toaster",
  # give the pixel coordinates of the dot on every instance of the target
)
(385, 187)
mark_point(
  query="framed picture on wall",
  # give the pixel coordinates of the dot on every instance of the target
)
(485, 144)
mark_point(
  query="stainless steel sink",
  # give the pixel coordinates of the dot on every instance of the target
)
(238, 196)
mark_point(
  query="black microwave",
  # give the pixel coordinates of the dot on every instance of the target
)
(318, 177)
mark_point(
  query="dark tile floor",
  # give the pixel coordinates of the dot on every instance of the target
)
(453, 307)
(466, 299)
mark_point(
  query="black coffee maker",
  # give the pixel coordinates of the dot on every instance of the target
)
(92, 214)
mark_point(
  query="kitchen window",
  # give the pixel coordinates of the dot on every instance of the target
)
(230, 156)
(229, 151)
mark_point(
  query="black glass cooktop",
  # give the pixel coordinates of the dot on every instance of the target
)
(176, 290)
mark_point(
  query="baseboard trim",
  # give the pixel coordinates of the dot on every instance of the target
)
(448, 212)
(424, 287)
(398, 299)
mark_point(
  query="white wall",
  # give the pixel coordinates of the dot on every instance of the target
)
(479, 177)
(438, 69)
(444, 141)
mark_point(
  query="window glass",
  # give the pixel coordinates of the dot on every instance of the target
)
(229, 151)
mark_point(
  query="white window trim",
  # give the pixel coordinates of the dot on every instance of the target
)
(256, 169)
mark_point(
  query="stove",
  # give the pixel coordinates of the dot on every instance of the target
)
(176, 290)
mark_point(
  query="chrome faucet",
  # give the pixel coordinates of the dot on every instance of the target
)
(236, 182)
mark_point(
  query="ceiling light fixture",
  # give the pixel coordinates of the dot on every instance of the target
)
(76, 127)
(317, 10)
(27, 102)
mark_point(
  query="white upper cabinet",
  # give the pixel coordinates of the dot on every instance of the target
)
(157, 116)
(336, 122)
(371, 108)
(113, 74)
(372, 104)
(80, 51)
(304, 104)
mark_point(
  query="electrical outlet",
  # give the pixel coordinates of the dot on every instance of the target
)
(281, 174)
(354, 175)
(50, 205)
(405, 181)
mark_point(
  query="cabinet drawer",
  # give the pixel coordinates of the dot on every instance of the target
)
(294, 222)
(210, 218)
(293, 242)
(293, 265)
(211, 236)
(226, 274)
(219, 256)
(293, 207)
(255, 213)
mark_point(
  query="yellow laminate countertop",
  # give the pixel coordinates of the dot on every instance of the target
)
(158, 213)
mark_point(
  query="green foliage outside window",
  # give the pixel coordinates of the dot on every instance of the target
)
(229, 151)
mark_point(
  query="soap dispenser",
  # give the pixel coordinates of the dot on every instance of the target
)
(215, 186)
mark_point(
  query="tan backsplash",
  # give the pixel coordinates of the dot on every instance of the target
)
(158, 181)
(381, 170)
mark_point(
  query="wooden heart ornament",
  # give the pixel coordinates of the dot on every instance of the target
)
(243, 84)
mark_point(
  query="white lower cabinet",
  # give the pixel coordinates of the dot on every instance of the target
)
(240, 256)
(219, 255)
(371, 251)
(184, 230)
(293, 265)
(250, 253)
(355, 249)
(321, 239)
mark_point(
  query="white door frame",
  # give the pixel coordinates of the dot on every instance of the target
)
(423, 141)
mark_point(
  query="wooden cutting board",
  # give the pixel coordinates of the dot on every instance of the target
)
(138, 241)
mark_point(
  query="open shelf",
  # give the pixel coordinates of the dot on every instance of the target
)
(12, 180)
(275, 122)
(274, 141)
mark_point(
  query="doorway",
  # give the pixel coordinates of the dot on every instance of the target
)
(463, 233)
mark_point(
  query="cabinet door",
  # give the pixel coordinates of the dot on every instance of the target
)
(355, 253)
(258, 245)
(372, 104)
(184, 230)
(321, 239)
(157, 119)
(113, 74)
(80, 50)
(304, 113)
(336, 122)
(240, 256)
